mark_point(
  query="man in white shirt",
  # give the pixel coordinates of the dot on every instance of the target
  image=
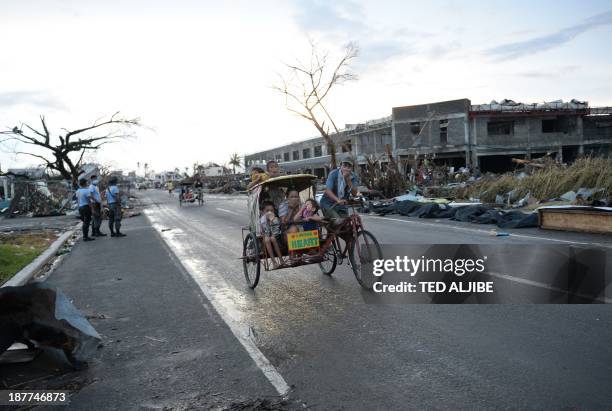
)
(113, 197)
(84, 199)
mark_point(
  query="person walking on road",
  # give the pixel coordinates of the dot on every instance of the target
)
(85, 200)
(96, 208)
(114, 208)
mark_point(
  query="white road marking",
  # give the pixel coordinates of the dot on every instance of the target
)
(476, 230)
(228, 211)
(543, 285)
(223, 301)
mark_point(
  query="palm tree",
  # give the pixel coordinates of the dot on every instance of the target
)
(234, 161)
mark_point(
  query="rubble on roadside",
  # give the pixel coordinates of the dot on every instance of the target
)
(509, 200)
(40, 199)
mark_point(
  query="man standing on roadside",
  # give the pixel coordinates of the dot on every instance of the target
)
(85, 200)
(114, 208)
(96, 208)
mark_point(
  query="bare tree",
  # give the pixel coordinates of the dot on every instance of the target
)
(65, 153)
(307, 86)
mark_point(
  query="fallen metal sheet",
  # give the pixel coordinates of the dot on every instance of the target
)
(39, 315)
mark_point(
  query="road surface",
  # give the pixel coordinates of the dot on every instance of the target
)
(336, 352)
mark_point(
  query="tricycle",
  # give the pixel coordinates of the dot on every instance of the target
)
(190, 194)
(321, 246)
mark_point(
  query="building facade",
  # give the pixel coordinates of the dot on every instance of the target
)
(458, 133)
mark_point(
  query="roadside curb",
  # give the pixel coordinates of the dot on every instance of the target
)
(27, 272)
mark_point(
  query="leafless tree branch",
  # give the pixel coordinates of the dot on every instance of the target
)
(306, 86)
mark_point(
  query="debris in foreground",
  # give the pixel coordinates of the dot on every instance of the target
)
(40, 316)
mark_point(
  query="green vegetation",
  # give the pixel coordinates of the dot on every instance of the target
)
(549, 182)
(19, 250)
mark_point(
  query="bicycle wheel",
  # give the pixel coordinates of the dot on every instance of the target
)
(364, 250)
(330, 260)
(251, 260)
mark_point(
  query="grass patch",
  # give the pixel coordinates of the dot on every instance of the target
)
(19, 249)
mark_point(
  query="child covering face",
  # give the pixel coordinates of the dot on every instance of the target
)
(270, 223)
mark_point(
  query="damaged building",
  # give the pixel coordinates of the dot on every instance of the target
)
(457, 133)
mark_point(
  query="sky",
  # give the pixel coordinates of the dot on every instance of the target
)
(200, 74)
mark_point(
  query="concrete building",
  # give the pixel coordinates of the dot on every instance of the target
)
(312, 155)
(457, 133)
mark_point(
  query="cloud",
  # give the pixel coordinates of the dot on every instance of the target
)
(554, 73)
(344, 21)
(535, 45)
(439, 51)
(326, 16)
(31, 98)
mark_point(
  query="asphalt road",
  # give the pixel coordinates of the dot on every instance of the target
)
(336, 352)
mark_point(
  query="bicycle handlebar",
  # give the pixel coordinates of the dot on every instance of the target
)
(352, 201)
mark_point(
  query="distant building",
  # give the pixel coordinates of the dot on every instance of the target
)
(30, 172)
(213, 170)
(457, 133)
(166, 176)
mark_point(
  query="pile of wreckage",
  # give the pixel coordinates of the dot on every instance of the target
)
(413, 205)
(515, 200)
(41, 199)
(36, 197)
(585, 218)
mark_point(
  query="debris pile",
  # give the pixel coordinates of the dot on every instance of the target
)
(40, 199)
(587, 181)
(476, 213)
(494, 199)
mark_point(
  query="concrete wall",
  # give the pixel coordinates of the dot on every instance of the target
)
(424, 111)
(278, 153)
(526, 133)
(597, 128)
(371, 141)
(406, 135)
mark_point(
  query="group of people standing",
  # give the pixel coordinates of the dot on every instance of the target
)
(90, 201)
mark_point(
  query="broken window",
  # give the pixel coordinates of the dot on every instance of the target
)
(415, 127)
(551, 126)
(500, 128)
(306, 153)
(443, 132)
(286, 156)
(318, 151)
(278, 157)
(296, 155)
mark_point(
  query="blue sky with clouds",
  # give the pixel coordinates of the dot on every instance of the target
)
(199, 73)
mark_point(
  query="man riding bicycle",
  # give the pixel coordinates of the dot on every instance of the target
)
(341, 184)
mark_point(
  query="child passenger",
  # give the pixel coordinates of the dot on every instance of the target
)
(270, 227)
(258, 175)
(308, 215)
